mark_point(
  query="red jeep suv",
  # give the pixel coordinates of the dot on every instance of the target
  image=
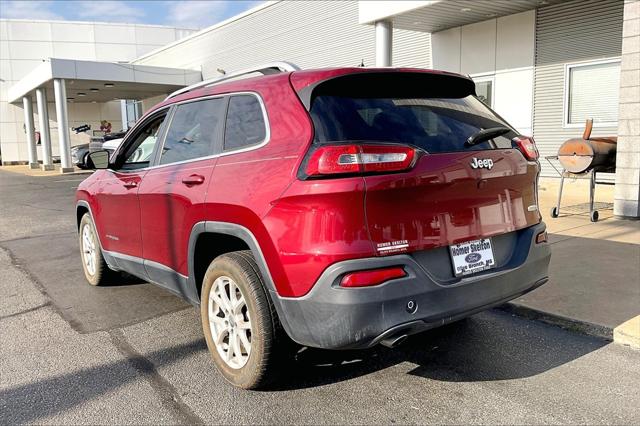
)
(338, 208)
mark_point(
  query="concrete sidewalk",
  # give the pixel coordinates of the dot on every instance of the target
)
(25, 170)
(594, 282)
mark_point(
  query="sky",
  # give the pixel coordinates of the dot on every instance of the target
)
(185, 14)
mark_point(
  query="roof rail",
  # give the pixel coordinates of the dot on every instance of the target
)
(270, 68)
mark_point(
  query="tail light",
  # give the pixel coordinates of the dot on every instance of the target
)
(372, 277)
(329, 160)
(527, 146)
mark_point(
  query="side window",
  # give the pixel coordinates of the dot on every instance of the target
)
(138, 153)
(245, 124)
(193, 130)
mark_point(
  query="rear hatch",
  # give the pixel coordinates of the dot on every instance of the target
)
(466, 181)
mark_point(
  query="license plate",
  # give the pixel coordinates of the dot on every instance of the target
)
(472, 256)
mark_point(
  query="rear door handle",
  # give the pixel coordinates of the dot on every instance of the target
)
(130, 184)
(193, 180)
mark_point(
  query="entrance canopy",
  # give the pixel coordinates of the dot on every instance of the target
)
(93, 81)
(437, 15)
(82, 82)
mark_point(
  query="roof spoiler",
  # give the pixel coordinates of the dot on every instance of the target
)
(265, 69)
(390, 83)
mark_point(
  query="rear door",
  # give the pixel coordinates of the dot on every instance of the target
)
(173, 192)
(455, 192)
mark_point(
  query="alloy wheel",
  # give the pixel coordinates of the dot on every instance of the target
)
(89, 249)
(229, 322)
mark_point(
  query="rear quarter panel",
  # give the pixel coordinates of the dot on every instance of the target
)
(245, 185)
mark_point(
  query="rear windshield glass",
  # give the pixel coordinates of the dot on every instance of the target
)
(433, 124)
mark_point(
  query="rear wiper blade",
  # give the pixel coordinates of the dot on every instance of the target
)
(486, 134)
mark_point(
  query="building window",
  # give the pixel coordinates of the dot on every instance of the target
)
(484, 89)
(592, 91)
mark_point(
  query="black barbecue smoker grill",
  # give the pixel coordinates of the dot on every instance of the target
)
(581, 156)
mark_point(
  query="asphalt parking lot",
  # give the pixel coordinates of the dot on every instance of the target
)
(133, 353)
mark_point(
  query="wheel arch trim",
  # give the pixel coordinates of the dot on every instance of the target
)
(239, 231)
(235, 230)
(83, 203)
(108, 257)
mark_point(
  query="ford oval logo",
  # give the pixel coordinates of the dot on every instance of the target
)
(473, 257)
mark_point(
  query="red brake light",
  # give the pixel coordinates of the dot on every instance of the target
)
(528, 147)
(350, 159)
(372, 277)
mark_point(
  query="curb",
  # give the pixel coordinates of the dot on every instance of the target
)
(571, 324)
(628, 333)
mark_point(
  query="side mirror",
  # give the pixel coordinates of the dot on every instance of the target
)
(99, 159)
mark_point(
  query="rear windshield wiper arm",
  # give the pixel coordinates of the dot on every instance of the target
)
(486, 134)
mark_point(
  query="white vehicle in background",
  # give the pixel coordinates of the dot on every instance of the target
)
(112, 145)
(143, 152)
(80, 153)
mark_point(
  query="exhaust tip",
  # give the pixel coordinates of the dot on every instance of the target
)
(392, 342)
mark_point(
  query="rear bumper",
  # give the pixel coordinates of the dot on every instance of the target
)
(332, 317)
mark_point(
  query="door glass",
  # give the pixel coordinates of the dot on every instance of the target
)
(193, 130)
(138, 153)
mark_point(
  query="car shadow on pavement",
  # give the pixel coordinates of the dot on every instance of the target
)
(31, 402)
(486, 347)
(489, 346)
(122, 279)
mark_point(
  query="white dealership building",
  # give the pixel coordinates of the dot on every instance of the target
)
(544, 65)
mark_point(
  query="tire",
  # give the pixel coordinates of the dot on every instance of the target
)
(554, 212)
(594, 216)
(95, 267)
(250, 342)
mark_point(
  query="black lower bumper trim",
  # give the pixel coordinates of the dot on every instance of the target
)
(333, 317)
(419, 326)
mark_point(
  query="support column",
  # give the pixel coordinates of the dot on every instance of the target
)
(60, 91)
(30, 129)
(627, 191)
(384, 43)
(45, 133)
(123, 114)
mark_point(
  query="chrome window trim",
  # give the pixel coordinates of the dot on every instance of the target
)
(266, 140)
